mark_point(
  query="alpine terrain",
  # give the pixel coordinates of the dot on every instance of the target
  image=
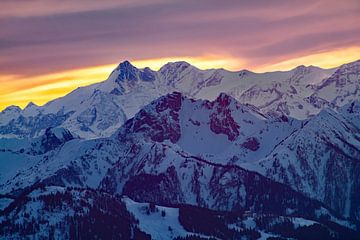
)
(184, 153)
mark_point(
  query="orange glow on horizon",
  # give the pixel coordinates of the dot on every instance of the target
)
(329, 59)
(20, 90)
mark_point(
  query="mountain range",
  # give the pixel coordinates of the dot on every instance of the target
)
(258, 155)
(99, 109)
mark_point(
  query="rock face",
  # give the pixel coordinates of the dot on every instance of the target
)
(221, 121)
(251, 143)
(100, 109)
(54, 137)
(161, 120)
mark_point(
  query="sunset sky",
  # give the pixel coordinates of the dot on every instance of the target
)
(48, 47)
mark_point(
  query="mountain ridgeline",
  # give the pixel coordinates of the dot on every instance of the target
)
(99, 109)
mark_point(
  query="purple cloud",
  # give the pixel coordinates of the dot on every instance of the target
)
(43, 36)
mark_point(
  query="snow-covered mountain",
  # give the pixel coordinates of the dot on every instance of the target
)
(257, 155)
(219, 131)
(217, 156)
(99, 109)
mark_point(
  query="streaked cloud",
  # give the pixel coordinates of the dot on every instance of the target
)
(46, 37)
(33, 8)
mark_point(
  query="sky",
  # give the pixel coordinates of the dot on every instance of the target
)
(50, 47)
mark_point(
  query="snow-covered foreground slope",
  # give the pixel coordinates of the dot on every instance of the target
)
(73, 213)
(99, 109)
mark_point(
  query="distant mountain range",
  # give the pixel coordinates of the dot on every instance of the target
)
(183, 153)
(99, 109)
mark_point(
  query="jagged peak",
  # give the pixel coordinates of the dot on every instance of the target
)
(304, 68)
(12, 108)
(30, 104)
(125, 65)
(127, 71)
(300, 67)
(181, 65)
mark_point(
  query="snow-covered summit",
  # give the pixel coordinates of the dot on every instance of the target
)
(126, 71)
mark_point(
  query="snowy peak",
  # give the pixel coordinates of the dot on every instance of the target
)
(302, 68)
(127, 72)
(182, 76)
(31, 108)
(30, 105)
(302, 73)
(175, 66)
(8, 114)
(12, 109)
